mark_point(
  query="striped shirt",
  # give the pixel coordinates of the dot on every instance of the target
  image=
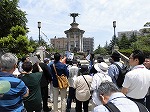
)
(12, 100)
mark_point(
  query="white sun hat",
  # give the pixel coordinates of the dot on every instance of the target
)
(101, 66)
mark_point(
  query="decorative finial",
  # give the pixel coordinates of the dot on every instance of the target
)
(74, 15)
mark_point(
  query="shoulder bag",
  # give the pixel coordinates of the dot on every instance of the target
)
(62, 80)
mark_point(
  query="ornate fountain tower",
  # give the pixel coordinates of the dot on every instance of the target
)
(75, 36)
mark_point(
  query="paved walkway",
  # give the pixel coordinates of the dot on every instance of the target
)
(72, 105)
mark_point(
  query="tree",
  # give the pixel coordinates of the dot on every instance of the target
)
(16, 42)
(124, 42)
(10, 15)
(133, 38)
(146, 30)
(33, 43)
(147, 24)
(113, 42)
(142, 43)
(100, 50)
(126, 46)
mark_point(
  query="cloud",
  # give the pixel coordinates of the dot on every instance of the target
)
(96, 16)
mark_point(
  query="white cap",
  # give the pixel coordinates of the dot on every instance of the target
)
(101, 66)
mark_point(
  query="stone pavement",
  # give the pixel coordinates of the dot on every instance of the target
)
(73, 104)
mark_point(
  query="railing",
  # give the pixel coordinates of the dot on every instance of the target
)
(124, 58)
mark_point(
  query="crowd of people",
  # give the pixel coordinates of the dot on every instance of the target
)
(29, 89)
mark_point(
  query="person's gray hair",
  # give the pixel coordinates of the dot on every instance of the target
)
(107, 88)
(7, 61)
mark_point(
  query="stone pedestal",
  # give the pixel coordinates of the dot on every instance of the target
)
(41, 51)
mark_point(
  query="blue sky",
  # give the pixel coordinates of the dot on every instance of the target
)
(96, 17)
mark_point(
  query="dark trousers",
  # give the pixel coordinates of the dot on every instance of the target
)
(148, 102)
(138, 100)
(71, 96)
(44, 93)
(79, 105)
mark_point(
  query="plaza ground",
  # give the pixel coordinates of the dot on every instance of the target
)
(73, 104)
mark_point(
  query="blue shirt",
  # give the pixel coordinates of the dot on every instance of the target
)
(61, 69)
(113, 71)
(12, 100)
(121, 102)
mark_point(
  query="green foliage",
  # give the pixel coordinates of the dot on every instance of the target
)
(17, 30)
(33, 43)
(16, 43)
(124, 42)
(145, 30)
(126, 52)
(133, 38)
(8, 42)
(127, 45)
(100, 50)
(140, 43)
(147, 24)
(10, 15)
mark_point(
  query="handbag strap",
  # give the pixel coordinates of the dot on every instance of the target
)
(141, 107)
(86, 81)
(55, 69)
(111, 107)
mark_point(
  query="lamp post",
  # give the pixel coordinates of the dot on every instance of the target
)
(115, 47)
(39, 26)
(114, 25)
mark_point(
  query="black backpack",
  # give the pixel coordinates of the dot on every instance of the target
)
(112, 108)
(121, 76)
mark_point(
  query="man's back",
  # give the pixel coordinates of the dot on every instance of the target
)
(82, 89)
(12, 100)
(46, 76)
(121, 102)
(33, 101)
(113, 71)
(137, 81)
(61, 69)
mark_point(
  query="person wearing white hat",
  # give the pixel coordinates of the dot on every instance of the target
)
(100, 76)
(93, 70)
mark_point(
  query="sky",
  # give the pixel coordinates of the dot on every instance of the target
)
(96, 17)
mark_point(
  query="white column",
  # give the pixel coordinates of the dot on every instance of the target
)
(68, 35)
(74, 39)
(80, 41)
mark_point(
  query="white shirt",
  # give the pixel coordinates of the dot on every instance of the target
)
(137, 81)
(97, 79)
(16, 72)
(20, 66)
(73, 73)
(121, 102)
